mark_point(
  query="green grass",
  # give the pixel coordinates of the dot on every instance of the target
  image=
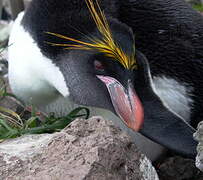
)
(13, 125)
(198, 7)
(33, 125)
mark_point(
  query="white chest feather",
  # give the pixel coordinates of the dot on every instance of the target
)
(174, 96)
(32, 76)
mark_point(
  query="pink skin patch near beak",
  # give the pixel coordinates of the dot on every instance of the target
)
(126, 103)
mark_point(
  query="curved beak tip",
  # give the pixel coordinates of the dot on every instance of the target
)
(126, 103)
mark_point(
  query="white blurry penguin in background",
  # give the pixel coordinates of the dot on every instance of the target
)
(64, 53)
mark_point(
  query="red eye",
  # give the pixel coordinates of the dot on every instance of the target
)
(98, 65)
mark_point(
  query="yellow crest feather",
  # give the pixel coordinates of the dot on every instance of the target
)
(105, 45)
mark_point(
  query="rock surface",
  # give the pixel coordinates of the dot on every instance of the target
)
(178, 168)
(5, 29)
(199, 137)
(85, 150)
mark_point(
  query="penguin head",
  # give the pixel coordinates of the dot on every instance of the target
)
(99, 67)
(100, 72)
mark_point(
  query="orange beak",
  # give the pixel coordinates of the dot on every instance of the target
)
(126, 103)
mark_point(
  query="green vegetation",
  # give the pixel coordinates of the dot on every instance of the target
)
(34, 126)
(198, 7)
(14, 125)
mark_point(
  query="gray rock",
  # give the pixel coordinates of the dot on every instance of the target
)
(85, 150)
(199, 137)
(5, 29)
(178, 168)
